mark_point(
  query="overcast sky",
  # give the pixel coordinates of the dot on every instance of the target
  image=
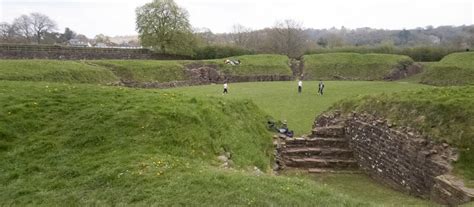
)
(117, 17)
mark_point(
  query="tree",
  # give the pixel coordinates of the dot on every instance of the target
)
(8, 32)
(101, 38)
(41, 25)
(163, 25)
(240, 35)
(24, 26)
(68, 35)
(323, 42)
(288, 38)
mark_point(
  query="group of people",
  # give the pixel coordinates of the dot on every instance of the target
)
(320, 87)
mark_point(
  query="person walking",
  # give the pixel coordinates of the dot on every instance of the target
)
(320, 88)
(300, 86)
(225, 89)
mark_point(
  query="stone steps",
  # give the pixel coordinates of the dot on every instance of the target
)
(333, 171)
(326, 150)
(335, 131)
(295, 152)
(317, 142)
(320, 163)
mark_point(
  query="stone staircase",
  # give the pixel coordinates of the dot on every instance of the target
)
(325, 150)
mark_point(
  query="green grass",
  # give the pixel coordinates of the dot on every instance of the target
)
(66, 144)
(54, 71)
(443, 114)
(454, 69)
(351, 66)
(111, 71)
(281, 100)
(255, 65)
(87, 145)
(145, 70)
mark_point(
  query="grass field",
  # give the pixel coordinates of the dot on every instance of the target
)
(64, 144)
(351, 66)
(282, 102)
(454, 69)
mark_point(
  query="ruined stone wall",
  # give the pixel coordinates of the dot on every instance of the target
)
(396, 159)
(400, 157)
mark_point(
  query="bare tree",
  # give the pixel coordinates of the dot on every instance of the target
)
(24, 26)
(240, 35)
(41, 25)
(8, 32)
(288, 38)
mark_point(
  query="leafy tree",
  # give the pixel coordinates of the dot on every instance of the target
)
(68, 34)
(163, 25)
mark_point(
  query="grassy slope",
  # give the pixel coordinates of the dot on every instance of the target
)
(110, 71)
(87, 145)
(256, 65)
(454, 69)
(351, 65)
(281, 100)
(442, 113)
(145, 70)
(54, 71)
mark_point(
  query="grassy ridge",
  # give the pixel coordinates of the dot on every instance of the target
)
(87, 145)
(145, 70)
(111, 71)
(454, 69)
(352, 66)
(255, 65)
(445, 114)
(54, 71)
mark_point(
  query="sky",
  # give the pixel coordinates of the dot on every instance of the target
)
(117, 17)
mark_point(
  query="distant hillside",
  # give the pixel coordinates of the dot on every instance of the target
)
(454, 69)
(352, 66)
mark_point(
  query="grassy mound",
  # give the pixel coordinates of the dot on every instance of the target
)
(145, 70)
(352, 66)
(255, 65)
(88, 145)
(54, 71)
(454, 69)
(445, 114)
(111, 71)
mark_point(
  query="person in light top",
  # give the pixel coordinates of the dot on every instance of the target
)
(225, 88)
(300, 86)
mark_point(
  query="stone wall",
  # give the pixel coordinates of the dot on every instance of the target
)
(400, 157)
(77, 53)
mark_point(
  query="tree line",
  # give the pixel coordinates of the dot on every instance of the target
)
(164, 26)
